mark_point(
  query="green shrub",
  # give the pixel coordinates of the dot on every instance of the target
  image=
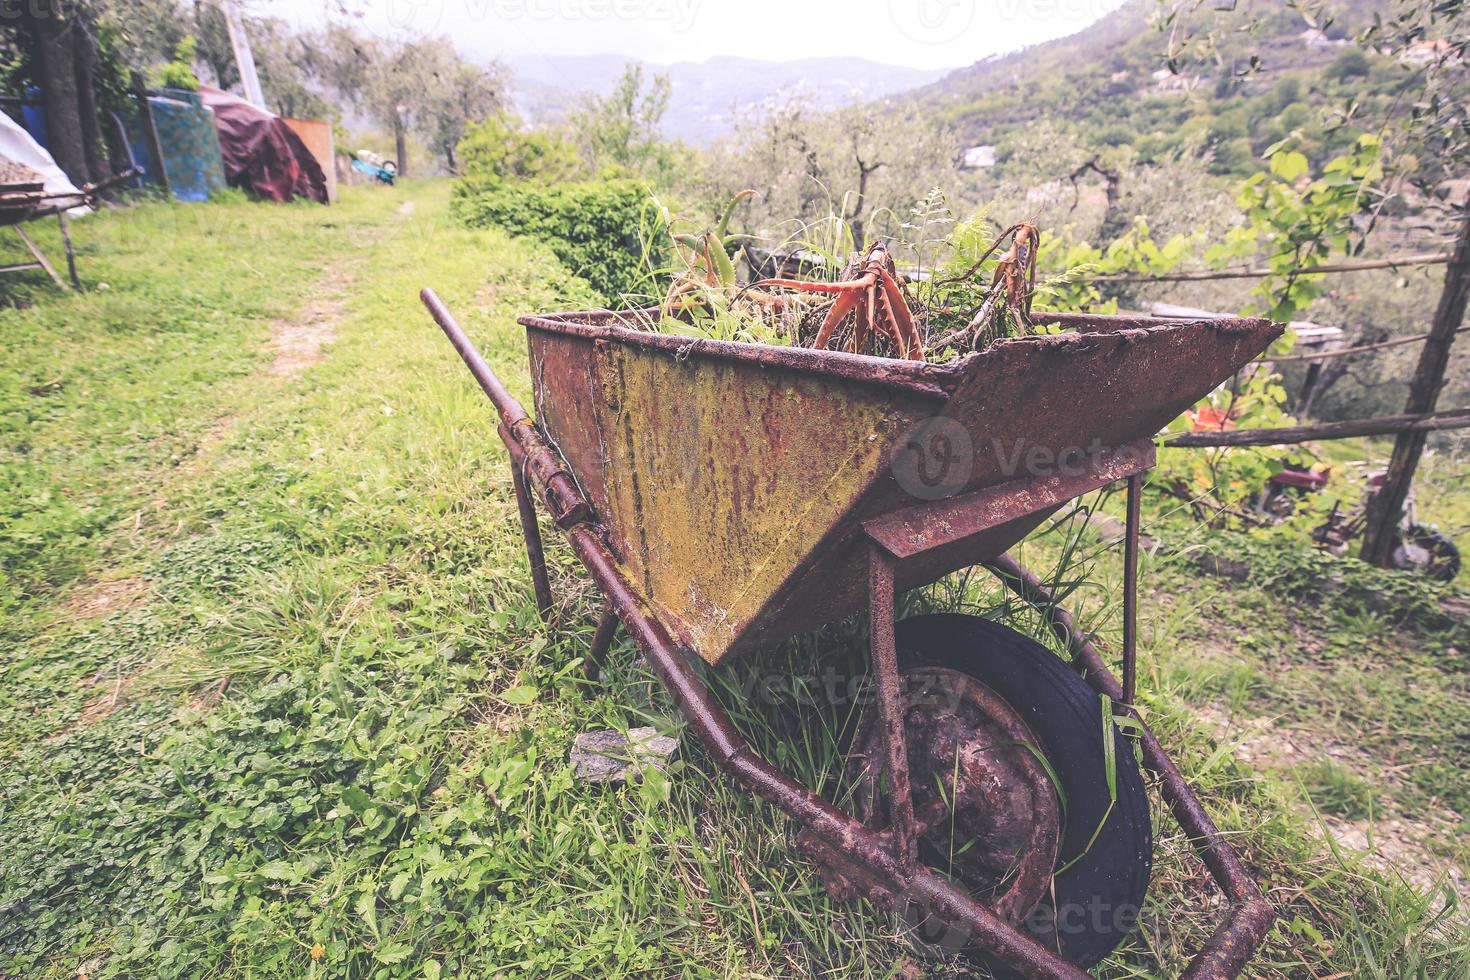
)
(1352, 63)
(179, 73)
(591, 226)
(500, 148)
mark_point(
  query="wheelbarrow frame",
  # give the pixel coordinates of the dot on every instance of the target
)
(887, 865)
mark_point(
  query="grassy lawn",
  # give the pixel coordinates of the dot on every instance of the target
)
(275, 701)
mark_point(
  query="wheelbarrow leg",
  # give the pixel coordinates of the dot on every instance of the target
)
(532, 533)
(71, 254)
(890, 703)
(1130, 591)
(607, 628)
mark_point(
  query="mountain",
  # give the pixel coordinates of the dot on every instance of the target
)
(1111, 86)
(704, 93)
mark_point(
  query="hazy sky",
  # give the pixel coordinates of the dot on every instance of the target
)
(920, 33)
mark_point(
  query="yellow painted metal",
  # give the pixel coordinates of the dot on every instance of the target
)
(722, 477)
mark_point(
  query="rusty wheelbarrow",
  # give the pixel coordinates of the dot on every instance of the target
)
(726, 495)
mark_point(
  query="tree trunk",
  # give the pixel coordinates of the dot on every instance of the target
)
(93, 142)
(1387, 506)
(400, 143)
(1325, 381)
(449, 160)
(57, 77)
(855, 218)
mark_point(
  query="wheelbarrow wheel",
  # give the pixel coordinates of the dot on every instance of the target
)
(1048, 846)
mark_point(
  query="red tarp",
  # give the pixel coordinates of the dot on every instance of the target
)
(261, 152)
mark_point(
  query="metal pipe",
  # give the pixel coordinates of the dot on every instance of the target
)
(890, 703)
(1130, 591)
(535, 554)
(563, 500)
(1217, 855)
(607, 628)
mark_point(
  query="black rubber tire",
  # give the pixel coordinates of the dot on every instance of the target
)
(1446, 560)
(1097, 899)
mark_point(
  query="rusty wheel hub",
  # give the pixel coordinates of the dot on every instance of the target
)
(985, 809)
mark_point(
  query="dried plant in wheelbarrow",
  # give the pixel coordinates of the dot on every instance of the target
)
(867, 294)
(870, 307)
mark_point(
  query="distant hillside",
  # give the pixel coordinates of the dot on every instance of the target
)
(1111, 84)
(705, 92)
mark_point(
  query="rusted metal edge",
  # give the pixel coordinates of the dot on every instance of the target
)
(884, 654)
(935, 380)
(914, 530)
(1099, 322)
(1228, 950)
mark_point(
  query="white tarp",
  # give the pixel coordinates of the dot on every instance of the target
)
(16, 144)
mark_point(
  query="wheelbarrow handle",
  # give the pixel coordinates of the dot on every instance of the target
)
(511, 411)
(542, 466)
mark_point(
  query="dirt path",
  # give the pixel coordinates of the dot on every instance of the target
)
(295, 345)
(299, 343)
(1394, 842)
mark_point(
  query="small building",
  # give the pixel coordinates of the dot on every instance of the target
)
(978, 157)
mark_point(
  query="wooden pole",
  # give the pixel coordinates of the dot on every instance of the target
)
(1399, 262)
(1295, 434)
(150, 133)
(244, 57)
(1418, 338)
(71, 254)
(1387, 506)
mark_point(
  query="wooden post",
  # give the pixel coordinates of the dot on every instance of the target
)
(150, 133)
(1387, 506)
(71, 252)
(244, 58)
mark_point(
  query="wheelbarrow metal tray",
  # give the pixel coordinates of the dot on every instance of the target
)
(733, 479)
